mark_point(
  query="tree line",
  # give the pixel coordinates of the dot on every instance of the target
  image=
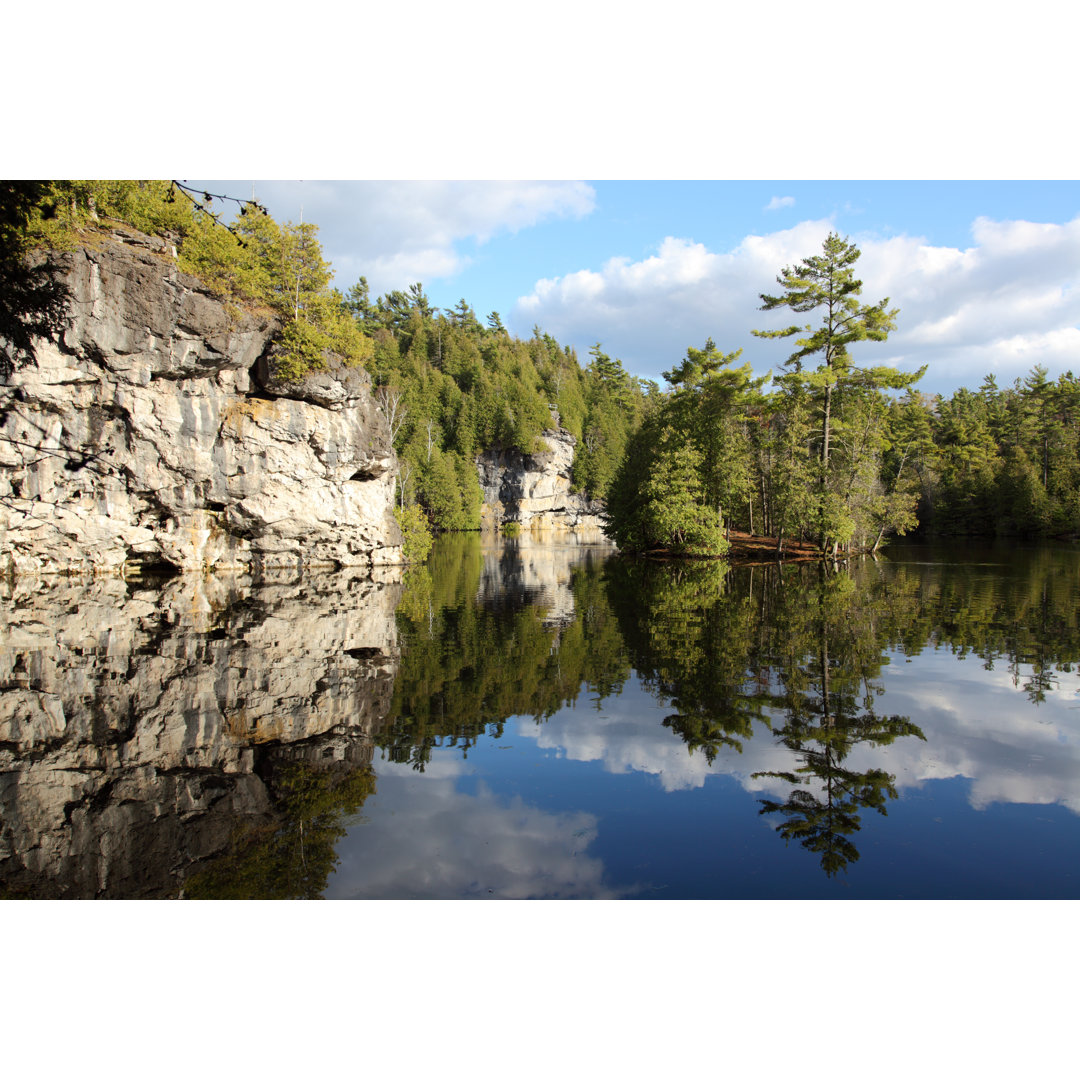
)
(827, 451)
(450, 385)
(453, 387)
(839, 454)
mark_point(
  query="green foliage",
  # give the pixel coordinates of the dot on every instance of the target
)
(614, 409)
(32, 301)
(674, 514)
(657, 500)
(1005, 461)
(828, 281)
(291, 856)
(439, 490)
(462, 389)
(689, 468)
(414, 529)
(850, 438)
(254, 262)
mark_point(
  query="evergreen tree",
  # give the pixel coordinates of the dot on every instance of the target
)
(709, 405)
(827, 282)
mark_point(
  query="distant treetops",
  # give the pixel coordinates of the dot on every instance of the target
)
(837, 454)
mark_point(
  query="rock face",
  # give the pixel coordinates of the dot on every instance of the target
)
(138, 725)
(153, 434)
(534, 489)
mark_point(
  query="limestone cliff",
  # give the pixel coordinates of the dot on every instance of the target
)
(152, 433)
(535, 489)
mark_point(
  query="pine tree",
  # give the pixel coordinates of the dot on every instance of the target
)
(827, 282)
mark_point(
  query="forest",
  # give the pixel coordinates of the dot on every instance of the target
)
(836, 454)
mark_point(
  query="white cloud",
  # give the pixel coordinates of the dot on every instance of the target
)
(779, 201)
(396, 233)
(434, 841)
(1007, 302)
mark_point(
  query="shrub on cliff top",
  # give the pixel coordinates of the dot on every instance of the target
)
(253, 262)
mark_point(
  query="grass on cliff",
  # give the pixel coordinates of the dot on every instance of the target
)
(254, 263)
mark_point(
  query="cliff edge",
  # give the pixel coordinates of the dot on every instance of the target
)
(153, 433)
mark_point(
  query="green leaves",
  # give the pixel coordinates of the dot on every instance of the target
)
(827, 281)
(848, 401)
(417, 535)
(658, 499)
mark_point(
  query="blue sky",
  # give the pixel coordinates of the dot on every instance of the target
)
(467, 102)
(985, 273)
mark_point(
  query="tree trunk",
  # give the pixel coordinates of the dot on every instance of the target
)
(823, 482)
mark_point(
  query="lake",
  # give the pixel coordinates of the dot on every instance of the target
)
(525, 719)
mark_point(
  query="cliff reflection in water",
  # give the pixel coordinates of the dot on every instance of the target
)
(201, 737)
(213, 738)
(496, 629)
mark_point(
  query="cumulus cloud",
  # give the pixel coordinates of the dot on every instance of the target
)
(1005, 303)
(627, 734)
(435, 841)
(648, 312)
(986, 732)
(777, 202)
(412, 230)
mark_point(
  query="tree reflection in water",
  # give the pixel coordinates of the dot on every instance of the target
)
(804, 643)
(485, 638)
(221, 754)
(291, 855)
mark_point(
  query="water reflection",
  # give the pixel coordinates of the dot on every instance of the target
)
(434, 737)
(443, 837)
(490, 633)
(149, 730)
(828, 700)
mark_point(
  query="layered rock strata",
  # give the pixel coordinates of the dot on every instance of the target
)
(153, 433)
(534, 490)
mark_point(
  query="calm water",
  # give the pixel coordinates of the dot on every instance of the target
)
(530, 720)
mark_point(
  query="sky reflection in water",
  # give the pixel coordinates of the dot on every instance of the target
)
(601, 799)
